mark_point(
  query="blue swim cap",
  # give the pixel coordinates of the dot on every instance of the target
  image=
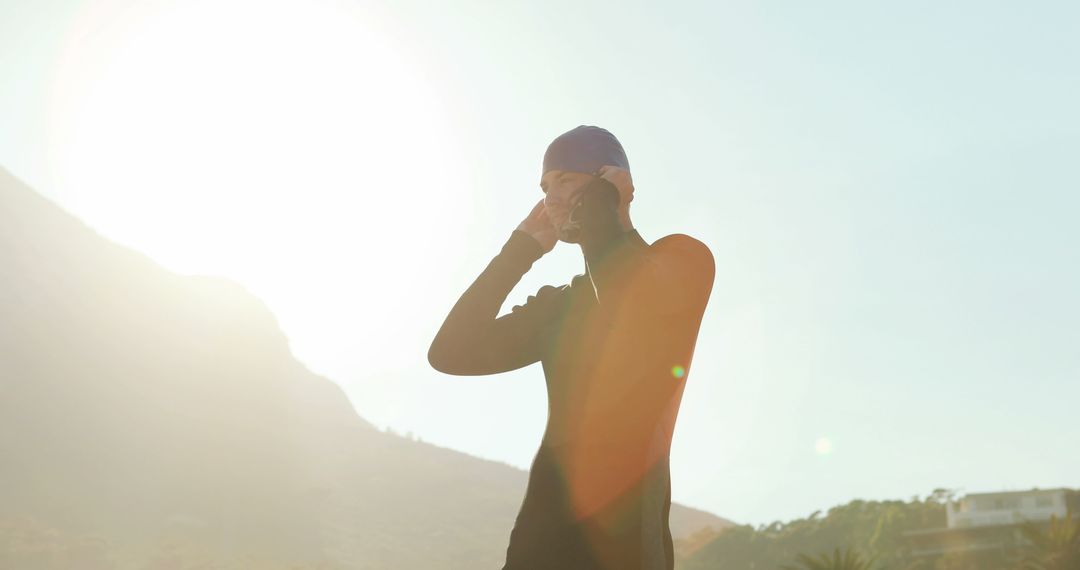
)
(584, 149)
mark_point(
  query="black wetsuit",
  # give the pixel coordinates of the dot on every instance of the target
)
(616, 345)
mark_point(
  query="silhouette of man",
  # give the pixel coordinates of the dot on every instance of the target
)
(615, 344)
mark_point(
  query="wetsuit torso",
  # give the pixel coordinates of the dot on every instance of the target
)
(616, 346)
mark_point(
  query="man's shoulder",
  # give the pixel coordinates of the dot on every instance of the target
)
(684, 248)
(546, 299)
(555, 293)
(579, 280)
(688, 261)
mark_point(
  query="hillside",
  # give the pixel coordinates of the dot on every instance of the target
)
(154, 414)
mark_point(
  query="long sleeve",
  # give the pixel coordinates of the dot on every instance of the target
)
(472, 341)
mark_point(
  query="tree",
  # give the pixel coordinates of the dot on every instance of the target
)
(848, 560)
(1056, 548)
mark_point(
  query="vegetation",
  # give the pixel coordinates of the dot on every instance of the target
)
(1053, 547)
(846, 560)
(874, 527)
(875, 535)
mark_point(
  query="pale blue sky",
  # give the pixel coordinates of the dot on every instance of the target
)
(890, 193)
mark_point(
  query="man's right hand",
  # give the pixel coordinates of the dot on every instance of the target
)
(539, 227)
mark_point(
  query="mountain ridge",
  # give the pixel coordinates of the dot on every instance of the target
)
(137, 404)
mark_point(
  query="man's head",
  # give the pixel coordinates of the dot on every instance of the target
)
(570, 162)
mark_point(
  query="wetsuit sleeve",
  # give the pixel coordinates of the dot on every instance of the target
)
(472, 341)
(673, 275)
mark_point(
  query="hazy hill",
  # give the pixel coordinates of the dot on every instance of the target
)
(166, 415)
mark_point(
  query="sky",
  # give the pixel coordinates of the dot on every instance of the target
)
(889, 190)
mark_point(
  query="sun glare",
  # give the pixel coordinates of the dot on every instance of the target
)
(261, 141)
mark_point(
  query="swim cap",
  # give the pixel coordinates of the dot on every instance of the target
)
(584, 149)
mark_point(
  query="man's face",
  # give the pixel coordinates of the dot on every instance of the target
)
(558, 186)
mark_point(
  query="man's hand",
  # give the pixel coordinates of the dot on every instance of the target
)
(539, 227)
(620, 177)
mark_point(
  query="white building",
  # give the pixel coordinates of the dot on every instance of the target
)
(1012, 507)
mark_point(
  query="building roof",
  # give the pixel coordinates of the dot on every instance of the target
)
(1013, 493)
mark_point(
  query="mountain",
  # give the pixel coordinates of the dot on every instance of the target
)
(149, 419)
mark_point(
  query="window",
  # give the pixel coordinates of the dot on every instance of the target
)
(997, 503)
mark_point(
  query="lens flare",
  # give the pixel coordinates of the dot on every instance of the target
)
(678, 371)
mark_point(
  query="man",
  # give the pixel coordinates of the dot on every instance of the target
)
(615, 345)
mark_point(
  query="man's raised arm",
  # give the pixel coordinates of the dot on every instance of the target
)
(472, 341)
